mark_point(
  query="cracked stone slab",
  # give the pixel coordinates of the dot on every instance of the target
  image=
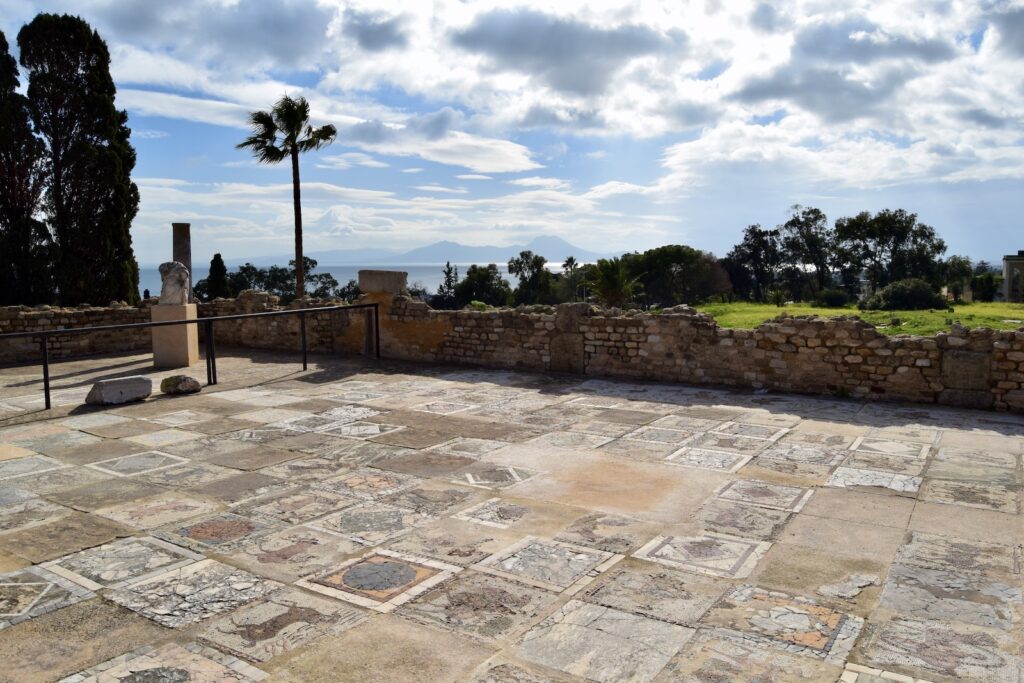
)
(765, 494)
(241, 487)
(159, 510)
(687, 423)
(381, 580)
(34, 591)
(985, 496)
(968, 457)
(957, 651)
(658, 434)
(792, 623)
(454, 543)
(182, 418)
(368, 483)
(573, 440)
(23, 509)
(746, 521)
(711, 554)
(57, 538)
(292, 553)
(351, 413)
(552, 565)
(703, 459)
(756, 431)
(496, 670)
(931, 551)
(636, 449)
(493, 512)
(170, 663)
(28, 465)
(482, 606)
(603, 644)
(972, 472)
(848, 477)
(907, 449)
(730, 443)
(362, 430)
(122, 562)
(714, 655)
(138, 463)
(945, 595)
(307, 470)
(287, 619)
(164, 437)
(220, 531)
(486, 476)
(299, 506)
(863, 460)
(613, 430)
(187, 476)
(856, 673)
(835, 442)
(850, 587)
(193, 593)
(657, 592)
(372, 523)
(612, 533)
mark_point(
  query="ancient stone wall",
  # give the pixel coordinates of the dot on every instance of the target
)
(837, 356)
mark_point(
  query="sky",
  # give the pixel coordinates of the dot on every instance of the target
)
(616, 126)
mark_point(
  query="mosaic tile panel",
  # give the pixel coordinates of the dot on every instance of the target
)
(573, 440)
(551, 565)
(34, 591)
(362, 430)
(487, 476)
(193, 593)
(665, 435)
(286, 620)
(463, 545)
(485, 607)
(170, 663)
(711, 554)
(221, 531)
(657, 592)
(138, 463)
(29, 465)
(752, 430)
(605, 532)
(730, 443)
(372, 523)
(738, 519)
(986, 496)
(369, 484)
(28, 511)
(381, 580)
(765, 494)
(122, 562)
(603, 644)
(165, 508)
(291, 553)
(429, 501)
(702, 459)
(907, 449)
(494, 512)
(714, 655)
(847, 477)
(299, 506)
(795, 624)
(472, 448)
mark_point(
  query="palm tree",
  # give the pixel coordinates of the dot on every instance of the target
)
(284, 132)
(612, 282)
(570, 269)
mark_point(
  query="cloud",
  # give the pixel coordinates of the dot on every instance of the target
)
(412, 169)
(374, 31)
(1011, 30)
(569, 55)
(537, 181)
(441, 188)
(473, 176)
(341, 162)
(859, 41)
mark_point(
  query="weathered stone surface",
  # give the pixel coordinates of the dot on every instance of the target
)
(175, 287)
(180, 384)
(109, 392)
(383, 281)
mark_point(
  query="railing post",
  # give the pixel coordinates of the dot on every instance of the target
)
(46, 370)
(302, 328)
(376, 330)
(208, 343)
(213, 351)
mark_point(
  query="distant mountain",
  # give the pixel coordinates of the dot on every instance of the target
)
(554, 249)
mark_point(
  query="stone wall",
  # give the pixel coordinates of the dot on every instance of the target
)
(836, 356)
(26, 319)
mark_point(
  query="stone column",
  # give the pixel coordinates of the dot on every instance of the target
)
(182, 248)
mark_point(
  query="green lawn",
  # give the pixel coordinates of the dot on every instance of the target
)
(1001, 316)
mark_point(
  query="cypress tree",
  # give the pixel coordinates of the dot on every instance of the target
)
(24, 241)
(217, 284)
(90, 199)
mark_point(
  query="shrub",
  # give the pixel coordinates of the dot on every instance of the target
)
(777, 297)
(833, 298)
(905, 295)
(478, 305)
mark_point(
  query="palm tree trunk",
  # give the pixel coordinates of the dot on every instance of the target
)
(300, 275)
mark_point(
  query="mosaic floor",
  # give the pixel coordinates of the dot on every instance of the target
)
(391, 522)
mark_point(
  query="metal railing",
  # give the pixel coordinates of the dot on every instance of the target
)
(208, 334)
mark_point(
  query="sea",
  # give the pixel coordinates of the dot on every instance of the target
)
(428, 276)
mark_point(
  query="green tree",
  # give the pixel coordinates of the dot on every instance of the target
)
(760, 256)
(891, 246)
(572, 276)
(446, 290)
(483, 283)
(534, 278)
(677, 274)
(612, 283)
(217, 283)
(985, 286)
(90, 199)
(282, 133)
(24, 240)
(809, 244)
(958, 273)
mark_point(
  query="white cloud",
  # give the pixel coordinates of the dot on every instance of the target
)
(341, 162)
(538, 181)
(473, 176)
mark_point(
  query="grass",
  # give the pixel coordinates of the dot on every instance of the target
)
(994, 315)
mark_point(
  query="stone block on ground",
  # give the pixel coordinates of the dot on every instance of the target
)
(108, 392)
(180, 384)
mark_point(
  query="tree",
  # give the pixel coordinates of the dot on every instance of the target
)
(483, 283)
(285, 132)
(612, 282)
(217, 285)
(677, 274)
(446, 290)
(24, 240)
(958, 270)
(572, 276)
(891, 246)
(760, 256)
(90, 199)
(808, 243)
(534, 278)
(985, 286)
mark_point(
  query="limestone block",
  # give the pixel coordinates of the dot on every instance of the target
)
(383, 281)
(108, 392)
(175, 346)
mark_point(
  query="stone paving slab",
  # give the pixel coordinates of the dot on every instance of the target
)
(521, 527)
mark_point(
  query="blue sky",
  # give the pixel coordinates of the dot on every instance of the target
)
(615, 126)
